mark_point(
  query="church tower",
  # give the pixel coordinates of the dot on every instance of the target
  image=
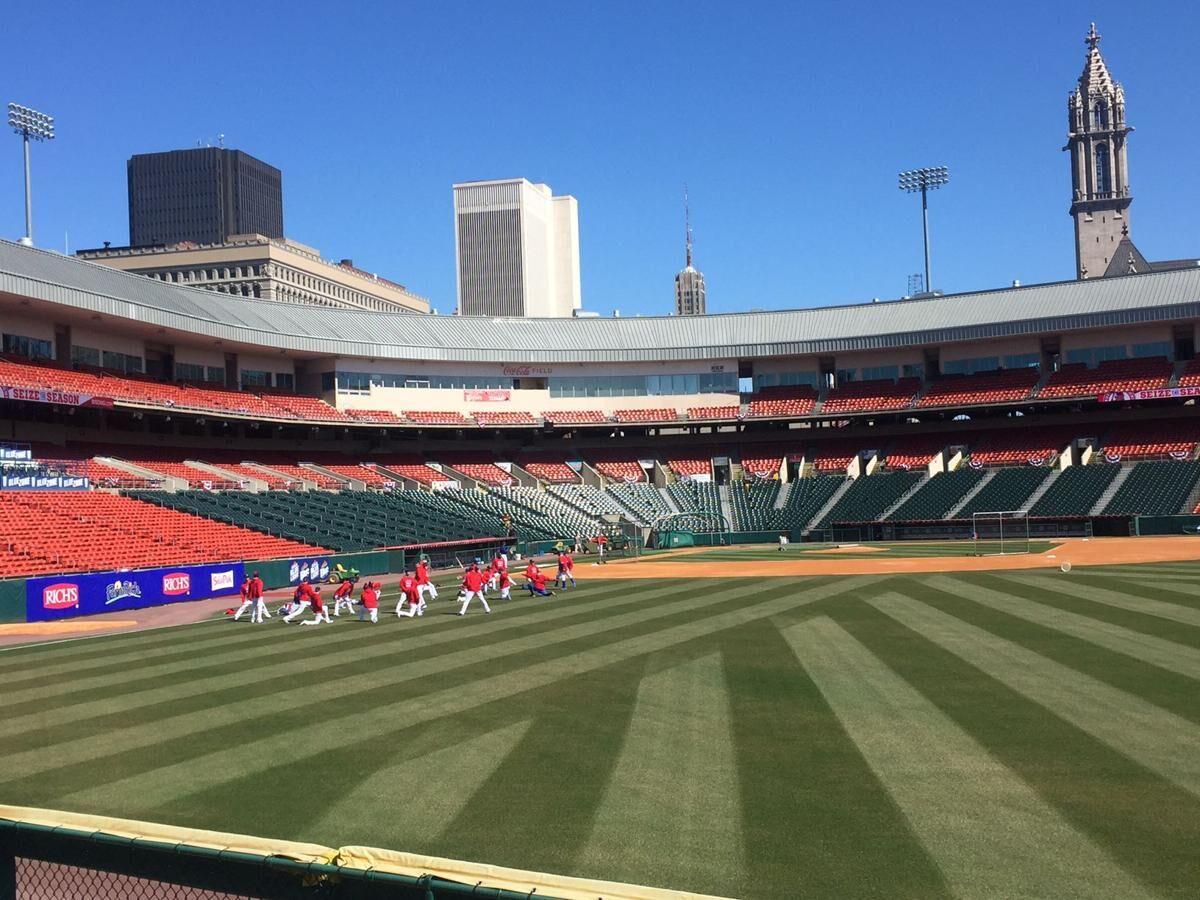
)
(690, 293)
(1096, 133)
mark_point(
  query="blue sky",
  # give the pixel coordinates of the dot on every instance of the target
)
(788, 122)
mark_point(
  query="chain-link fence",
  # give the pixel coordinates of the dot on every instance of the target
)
(46, 862)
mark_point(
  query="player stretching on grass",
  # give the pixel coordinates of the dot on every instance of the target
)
(320, 610)
(423, 582)
(302, 599)
(535, 581)
(472, 586)
(566, 570)
(410, 591)
(369, 598)
(247, 600)
(344, 596)
(505, 584)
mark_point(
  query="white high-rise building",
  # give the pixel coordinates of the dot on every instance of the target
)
(518, 249)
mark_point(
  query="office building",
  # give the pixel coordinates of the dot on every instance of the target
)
(518, 249)
(203, 195)
(689, 283)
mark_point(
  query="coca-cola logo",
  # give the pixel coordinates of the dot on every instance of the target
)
(176, 583)
(526, 371)
(60, 596)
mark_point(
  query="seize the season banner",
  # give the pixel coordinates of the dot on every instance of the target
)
(65, 596)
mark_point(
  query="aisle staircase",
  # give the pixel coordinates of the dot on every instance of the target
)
(1111, 490)
(726, 504)
(829, 504)
(781, 498)
(1042, 488)
(904, 497)
(970, 495)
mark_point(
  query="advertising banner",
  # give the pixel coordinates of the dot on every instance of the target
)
(1156, 394)
(15, 453)
(65, 596)
(315, 569)
(40, 395)
(487, 395)
(18, 481)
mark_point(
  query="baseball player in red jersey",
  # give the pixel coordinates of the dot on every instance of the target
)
(423, 582)
(257, 590)
(343, 596)
(472, 586)
(410, 592)
(302, 599)
(247, 600)
(504, 583)
(320, 610)
(566, 570)
(369, 598)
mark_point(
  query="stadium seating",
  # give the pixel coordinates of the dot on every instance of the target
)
(871, 396)
(714, 412)
(783, 402)
(662, 414)
(763, 460)
(45, 532)
(311, 409)
(410, 467)
(940, 494)
(482, 470)
(549, 469)
(618, 465)
(1190, 376)
(575, 417)
(981, 388)
(439, 417)
(487, 419)
(869, 496)
(1076, 491)
(834, 455)
(1156, 488)
(644, 502)
(1077, 380)
(753, 504)
(1021, 446)
(1176, 439)
(287, 466)
(689, 465)
(805, 498)
(697, 496)
(1009, 489)
(915, 451)
(588, 499)
(374, 416)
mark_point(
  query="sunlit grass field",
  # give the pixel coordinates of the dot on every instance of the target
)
(963, 735)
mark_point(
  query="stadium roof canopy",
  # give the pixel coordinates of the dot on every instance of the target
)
(86, 290)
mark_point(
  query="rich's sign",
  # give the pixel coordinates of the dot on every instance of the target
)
(63, 595)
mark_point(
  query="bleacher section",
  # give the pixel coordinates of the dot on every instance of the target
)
(871, 396)
(697, 496)
(937, 496)
(662, 414)
(1076, 491)
(1077, 380)
(48, 532)
(436, 417)
(1009, 489)
(981, 388)
(688, 465)
(575, 417)
(783, 402)
(619, 466)
(834, 455)
(1155, 488)
(1152, 440)
(644, 502)
(753, 504)
(714, 412)
(374, 416)
(487, 419)
(805, 498)
(868, 497)
(1019, 447)
(309, 408)
(763, 461)
(915, 451)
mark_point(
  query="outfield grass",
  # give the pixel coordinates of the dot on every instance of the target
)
(972, 735)
(873, 550)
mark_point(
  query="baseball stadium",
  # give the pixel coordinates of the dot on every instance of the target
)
(891, 599)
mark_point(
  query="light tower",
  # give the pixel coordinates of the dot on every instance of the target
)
(31, 125)
(925, 180)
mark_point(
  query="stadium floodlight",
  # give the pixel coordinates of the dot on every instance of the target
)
(36, 126)
(925, 180)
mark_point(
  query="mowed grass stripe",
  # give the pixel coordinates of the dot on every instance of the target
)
(240, 641)
(399, 804)
(1144, 647)
(676, 778)
(989, 832)
(269, 658)
(164, 783)
(257, 701)
(1175, 612)
(1159, 740)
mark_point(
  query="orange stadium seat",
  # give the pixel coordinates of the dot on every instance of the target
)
(714, 412)
(308, 408)
(783, 402)
(1077, 380)
(375, 416)
(915, 451)
(646, 415)
(47, 532)
(1174, 439)
(549, 469)
(835, 455)
(503, 418)
(999, 386)
(435, 417)
(689, 465)
(575, 417)
(869, 396)
(1020, 447)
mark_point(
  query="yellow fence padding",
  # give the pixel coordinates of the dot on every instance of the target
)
(393, 862)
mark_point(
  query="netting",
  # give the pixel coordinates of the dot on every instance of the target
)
(1000, 533)
(40, 880)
